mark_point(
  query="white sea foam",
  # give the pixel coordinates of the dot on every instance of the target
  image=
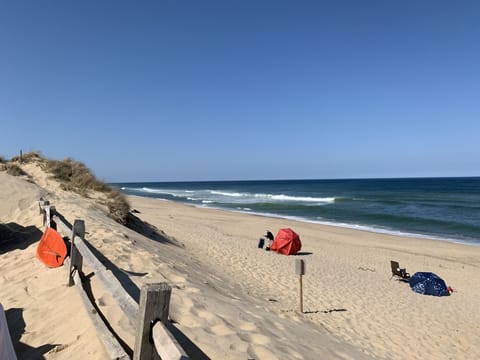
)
(226, 193)
(149, 190)
(250, 197)
(180, 194)
(231, 196)
(303, 198)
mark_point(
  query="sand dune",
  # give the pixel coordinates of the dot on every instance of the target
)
(231, 300)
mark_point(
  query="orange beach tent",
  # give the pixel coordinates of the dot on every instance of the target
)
(286, 242)
(51, 249)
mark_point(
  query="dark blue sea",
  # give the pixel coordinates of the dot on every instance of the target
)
(438, 208)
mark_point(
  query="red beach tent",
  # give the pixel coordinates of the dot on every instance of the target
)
(286, 242)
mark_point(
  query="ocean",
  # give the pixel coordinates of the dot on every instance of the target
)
(435, 208)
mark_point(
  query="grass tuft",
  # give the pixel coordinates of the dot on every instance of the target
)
(75, 176)
(118, 206)
(29, 157)
(13, 169)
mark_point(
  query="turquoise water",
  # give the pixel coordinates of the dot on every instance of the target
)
(439, 208)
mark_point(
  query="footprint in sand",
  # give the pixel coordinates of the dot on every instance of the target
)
(262, 352)
(176, 279)
(102, 301)
(247, 326)
(58, 348)
(191, 289)
(279, 326)
(206, 315)
(123, 258)
(241, 347)
(185, 318)
(186, 311)
(253, 314)
(221, 330)
(258, 339)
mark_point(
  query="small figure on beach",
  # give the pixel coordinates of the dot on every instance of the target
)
(269, 237)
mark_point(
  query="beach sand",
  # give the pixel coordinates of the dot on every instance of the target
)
(231, 300)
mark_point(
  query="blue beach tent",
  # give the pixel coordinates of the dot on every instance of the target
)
(428, 283)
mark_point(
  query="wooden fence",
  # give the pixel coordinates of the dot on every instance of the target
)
(153, 340)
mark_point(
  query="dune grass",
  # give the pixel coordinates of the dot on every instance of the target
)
(13, 169)
(76, 177)
(29, 157)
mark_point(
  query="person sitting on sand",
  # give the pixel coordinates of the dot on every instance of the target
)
(269, 237)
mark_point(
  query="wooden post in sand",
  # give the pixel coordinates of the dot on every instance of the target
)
(76, 259)
(153, 306)
(153, 340)
(300, 271)
(46, 216)
(42, 204)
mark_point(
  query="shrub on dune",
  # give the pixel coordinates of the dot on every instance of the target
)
(73, 176)
(118, 206)
(13, 169)
(29, 157)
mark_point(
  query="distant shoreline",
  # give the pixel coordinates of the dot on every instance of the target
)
(327, 223)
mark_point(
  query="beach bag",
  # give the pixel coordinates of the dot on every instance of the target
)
(261, 242)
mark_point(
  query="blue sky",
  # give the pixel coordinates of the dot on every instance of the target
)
(229, 90)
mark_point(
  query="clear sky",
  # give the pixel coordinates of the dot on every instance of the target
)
(231, 90)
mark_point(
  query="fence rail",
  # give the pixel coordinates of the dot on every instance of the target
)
(153, 340)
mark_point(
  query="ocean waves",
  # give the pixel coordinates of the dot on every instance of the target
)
(209, 196)
(438, 208)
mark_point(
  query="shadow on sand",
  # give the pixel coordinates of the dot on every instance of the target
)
(148, 230)
(14, 236)
(190, 348)
(327, 311)
(301, 253)
(16, 326)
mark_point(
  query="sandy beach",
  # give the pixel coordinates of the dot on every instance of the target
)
(231, 300)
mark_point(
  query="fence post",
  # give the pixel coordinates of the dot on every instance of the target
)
(46, 216)
(76, 259)
(154, 306)
(41, 204)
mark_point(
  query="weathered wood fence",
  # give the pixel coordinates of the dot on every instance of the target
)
(153, 340)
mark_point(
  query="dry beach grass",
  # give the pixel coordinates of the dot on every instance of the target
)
(231, 300)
